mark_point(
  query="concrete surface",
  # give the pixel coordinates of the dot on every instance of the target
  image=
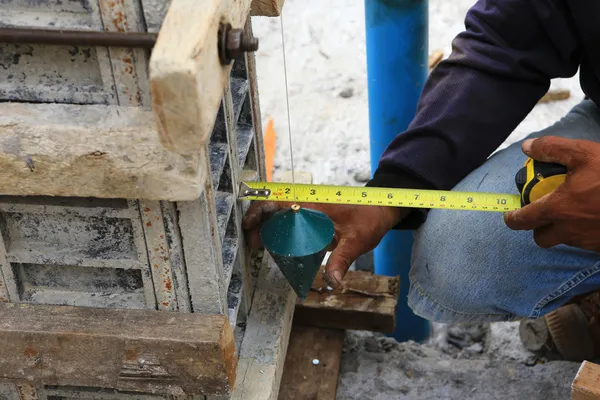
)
(325, 51)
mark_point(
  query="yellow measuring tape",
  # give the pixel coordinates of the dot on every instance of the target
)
(412, 198)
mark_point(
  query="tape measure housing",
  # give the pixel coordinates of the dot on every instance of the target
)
(390, 197)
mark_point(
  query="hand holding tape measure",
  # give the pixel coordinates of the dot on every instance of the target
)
(570, 216)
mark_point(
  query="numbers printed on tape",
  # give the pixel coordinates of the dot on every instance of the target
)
(435, 199)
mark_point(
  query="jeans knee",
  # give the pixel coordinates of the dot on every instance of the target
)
(453, 303)
(453, 276)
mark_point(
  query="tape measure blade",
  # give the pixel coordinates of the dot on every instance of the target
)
(412, 198)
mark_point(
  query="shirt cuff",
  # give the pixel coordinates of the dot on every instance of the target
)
(401, 179)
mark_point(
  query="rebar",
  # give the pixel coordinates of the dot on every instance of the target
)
(77, 37)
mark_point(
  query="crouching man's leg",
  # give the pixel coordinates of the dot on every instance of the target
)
(468, 266)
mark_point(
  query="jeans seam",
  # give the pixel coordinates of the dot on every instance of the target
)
(564, 288)
(437, 304)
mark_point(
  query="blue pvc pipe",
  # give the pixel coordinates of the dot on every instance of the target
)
(397, 67)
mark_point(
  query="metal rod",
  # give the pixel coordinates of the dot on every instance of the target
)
(77, 37)
(397, 68)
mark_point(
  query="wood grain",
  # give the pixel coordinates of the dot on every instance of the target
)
(555, 95)
(263, 351)
(267, 8)
(92, 151)
(435, 58)
(367, 302)
(130, 350)
(187, 80)
(302, 379)
(586, 385)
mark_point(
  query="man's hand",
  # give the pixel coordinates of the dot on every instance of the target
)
(358, 229)
(571, 214)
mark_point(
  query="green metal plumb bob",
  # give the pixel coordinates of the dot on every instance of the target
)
(298, 239)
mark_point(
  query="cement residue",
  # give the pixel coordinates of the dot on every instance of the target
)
(376, 367)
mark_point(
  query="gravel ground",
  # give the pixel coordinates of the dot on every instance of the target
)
(325, 49)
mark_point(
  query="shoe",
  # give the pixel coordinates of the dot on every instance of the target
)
(573, 330)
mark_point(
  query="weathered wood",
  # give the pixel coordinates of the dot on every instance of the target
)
(4, 298)
(130, 350)
(312, 364)
(267, 8)
(586, 385)
(204, 263)
(158, 255)
(92, 151)
(259, 152)
(555, 95)
(263, 350)
(62, 74)
(187, 79)
(367, 302)
(129, 65)
(435, 58)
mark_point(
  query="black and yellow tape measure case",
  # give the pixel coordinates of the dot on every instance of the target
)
(536, 179)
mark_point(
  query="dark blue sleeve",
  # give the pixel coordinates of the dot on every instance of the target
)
(500, 67)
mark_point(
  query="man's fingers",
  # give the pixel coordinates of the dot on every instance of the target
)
(547, 236)
(258, 212)
(340, 260)
(254, 239)
(530, 217)
(567, 152)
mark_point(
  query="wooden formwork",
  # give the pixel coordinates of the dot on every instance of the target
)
(98, 214)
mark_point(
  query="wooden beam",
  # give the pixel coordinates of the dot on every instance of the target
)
(187, 80)
(555, 95)
(435, 58)
(367, 302)
(131, 350)
(586, 385)
(312, 364)
(92, 151)
(267, 8)
(263, 351)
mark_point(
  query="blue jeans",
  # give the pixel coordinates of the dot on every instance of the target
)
(468, 266)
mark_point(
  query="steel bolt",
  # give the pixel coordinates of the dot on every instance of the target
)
(233, 42)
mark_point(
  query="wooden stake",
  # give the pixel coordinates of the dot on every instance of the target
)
(586, 385)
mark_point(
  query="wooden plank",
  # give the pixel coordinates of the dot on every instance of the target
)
(92, 151)
(312, 364)
(367, 302)
(129, 65)
(259, 152)
(265, 343)
(267, 8)
(204, 263)
(586, 385)
(555, 95)
(435, 58)
(187, 79)
(130, 350)
(158, 255)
